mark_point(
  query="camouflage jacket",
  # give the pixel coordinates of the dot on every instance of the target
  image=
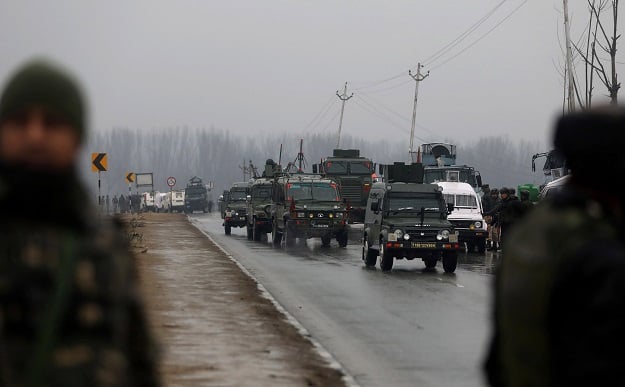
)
(559, 307)
(70, 309)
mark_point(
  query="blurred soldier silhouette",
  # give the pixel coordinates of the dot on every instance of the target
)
(70, 311)
(559, 304)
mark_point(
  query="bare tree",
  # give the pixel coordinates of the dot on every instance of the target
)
(599, 39)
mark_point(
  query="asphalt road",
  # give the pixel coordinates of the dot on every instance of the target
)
(407, 327)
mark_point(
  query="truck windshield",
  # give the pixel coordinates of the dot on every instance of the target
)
(320, 191)
(360, 167)
(237, 195)
(261, 192)
(409, 201)
(433, 175)
(336, 167)
(461, 201)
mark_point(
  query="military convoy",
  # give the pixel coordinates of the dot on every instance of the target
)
(406, 218)
(354, 176)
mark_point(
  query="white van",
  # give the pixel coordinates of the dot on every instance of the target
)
(177, 201)
(467, 214)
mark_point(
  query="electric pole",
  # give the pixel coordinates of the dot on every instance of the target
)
(569, 59)
(343, 97)
(418, 77)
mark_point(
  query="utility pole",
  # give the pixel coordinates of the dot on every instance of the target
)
(569, 59)
(418, 77)
(343, 97)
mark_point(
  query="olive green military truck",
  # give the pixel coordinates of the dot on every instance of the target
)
(235, 207)
(259, 208)
(307, 206)
(407, 219)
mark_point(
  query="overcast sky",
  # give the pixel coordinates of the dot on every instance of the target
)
(253, 67)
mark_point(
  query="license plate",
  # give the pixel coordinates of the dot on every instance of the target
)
(320, 226)
(417, 245)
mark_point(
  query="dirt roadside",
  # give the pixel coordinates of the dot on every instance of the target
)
(215, 326)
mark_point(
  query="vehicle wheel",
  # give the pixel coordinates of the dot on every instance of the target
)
(256, 234)
(481, 246)
(289, 236)
(249, 232)
(325, 240)
(342, 239)
(228, 229)
(369, 255)
(386, 260)
(430, 263)
(276, 235)
(450, 261)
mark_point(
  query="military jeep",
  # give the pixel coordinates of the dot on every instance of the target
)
(235, 208)
(307, 206)
(406, 219)
(259, 208)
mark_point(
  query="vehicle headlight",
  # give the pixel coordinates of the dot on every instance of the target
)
(310, 215)
(399, 233)
(406, 236)
(478, 224)
(330, 215)
(339, 215)
(443, 234)
(301, 215)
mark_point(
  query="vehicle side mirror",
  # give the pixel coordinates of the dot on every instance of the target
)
(314, 168)
(450, 208)
(248, 197)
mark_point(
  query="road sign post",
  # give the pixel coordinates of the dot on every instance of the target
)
(99, 163)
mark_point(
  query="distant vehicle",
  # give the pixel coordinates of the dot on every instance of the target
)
(439, 161)
(235, 212)
(258, 205)
(554, 186)
(161, 202)
(146, 202)
(195, 196)
(467, 214)
(555, 165)
(177, 201)
(307, 206)
(354, 175)
(407, 219)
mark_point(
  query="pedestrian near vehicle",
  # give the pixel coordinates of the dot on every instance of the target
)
(70, 310)
(559, 297)
(507, 211)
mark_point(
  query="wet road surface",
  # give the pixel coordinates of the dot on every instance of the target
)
(407, 327)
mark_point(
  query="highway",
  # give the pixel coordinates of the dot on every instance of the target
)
(406, 327)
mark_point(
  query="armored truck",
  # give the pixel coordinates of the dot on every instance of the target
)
(259, 208)
(195, 196)
(354, 175)
(235, 208)
(439, 161)
(407, 219)
(307, 206)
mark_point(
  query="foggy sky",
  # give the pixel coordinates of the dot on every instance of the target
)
(274, 66)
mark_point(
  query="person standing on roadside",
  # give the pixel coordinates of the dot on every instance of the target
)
(70, 309)
(559, 304)
(507, 211)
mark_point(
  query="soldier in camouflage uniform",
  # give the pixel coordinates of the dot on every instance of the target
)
(559, 307)
(70, 310)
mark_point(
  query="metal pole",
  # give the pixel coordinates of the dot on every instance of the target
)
(569, 59)
(418, 78)
(343, 97)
